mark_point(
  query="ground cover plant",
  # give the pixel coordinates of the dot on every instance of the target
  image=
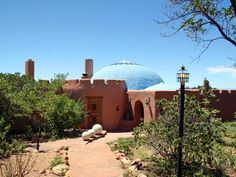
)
(57, 160)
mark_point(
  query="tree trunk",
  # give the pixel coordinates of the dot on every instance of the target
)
(233, 3)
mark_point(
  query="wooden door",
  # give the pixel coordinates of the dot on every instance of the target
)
(94, 108)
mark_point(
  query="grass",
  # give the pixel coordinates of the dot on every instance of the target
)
(230, 135)
(56, 161)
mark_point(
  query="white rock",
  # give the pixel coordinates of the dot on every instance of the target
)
(86, 135)
(60, 169)
(125, 161)
(133, 168)
(142, 175)
(97, 128)
(92, 132)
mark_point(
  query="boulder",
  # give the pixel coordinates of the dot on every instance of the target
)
(97, 128)
(92, 132)
(86, 135)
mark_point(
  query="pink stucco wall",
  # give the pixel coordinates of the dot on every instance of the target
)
(117, 103)
(111, 92)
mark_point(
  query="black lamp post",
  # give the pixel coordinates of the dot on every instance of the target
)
(182, 77)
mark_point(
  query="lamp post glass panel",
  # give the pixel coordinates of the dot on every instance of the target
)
(182, 77)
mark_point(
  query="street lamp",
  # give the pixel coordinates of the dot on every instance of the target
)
(182, 77)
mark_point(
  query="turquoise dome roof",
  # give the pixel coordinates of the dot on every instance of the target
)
(137, 77)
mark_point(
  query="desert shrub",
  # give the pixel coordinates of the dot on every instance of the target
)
(57, 160)
(18, 165)
(123, 145)
(4, 129)
(41, 102)
(62, 113)
(202, 131)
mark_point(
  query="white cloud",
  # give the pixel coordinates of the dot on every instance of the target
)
(222, 69)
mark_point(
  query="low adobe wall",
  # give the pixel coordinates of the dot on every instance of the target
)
(225, 101)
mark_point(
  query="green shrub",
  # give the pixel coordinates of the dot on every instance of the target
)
(62, 113)
(123, 145)
(28, 132)
(224, 159)
(56, 161)
(202, 131)
(41, 102)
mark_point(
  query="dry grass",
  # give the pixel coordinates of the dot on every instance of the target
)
(18, 165)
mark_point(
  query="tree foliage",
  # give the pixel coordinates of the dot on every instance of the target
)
(201, 132)
(42, 102)
(199, 18)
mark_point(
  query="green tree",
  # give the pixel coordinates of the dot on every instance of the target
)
(199, 18)
(202, 132)
(61, 113)
(22, 97)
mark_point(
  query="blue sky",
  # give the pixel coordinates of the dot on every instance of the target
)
(59, 34)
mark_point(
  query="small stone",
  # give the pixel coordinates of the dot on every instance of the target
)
(136, 161)
(65, 148)
(118, 156)
(132, 168)
(43, 171)
(142, 175)
(144, 165)
(59, 169)
(67, 163)
(125, 161)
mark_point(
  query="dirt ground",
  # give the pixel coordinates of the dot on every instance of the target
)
(95, 154)
(33, 163)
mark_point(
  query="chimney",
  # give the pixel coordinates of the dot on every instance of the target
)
(29, 68)
(89, 67)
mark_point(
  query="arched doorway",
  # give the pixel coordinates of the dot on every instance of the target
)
(139, 112)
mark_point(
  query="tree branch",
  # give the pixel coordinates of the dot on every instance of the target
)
(233, 3)
(219, 28)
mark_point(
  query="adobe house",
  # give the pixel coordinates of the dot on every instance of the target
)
(119, 96)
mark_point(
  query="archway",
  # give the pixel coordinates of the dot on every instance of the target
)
(139, 112)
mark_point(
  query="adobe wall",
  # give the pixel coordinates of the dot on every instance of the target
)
(148, 100)
(225, 101)
(112, 93)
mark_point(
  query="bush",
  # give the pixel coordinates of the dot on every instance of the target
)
(202, 131)
(56, 161)
(41, 102)
(123, 145)
(62, 113)
(4, 129)
(18, 165)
